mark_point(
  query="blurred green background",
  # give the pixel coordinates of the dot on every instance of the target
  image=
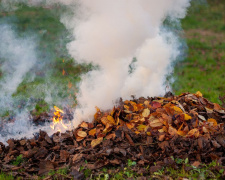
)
(203, 69)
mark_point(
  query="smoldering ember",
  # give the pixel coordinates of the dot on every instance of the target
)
(151, 131)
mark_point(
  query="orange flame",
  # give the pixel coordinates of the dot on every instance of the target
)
(57, 118)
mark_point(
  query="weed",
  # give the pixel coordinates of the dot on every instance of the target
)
(18, 161)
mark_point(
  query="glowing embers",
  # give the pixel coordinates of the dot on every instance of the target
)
(57, 120)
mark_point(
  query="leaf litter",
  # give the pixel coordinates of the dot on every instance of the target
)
(148, 131)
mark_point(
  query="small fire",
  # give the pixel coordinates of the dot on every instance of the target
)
(57, 119)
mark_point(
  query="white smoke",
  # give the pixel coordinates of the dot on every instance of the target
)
(109, 34)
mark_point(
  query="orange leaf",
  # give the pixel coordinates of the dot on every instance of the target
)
(82, 134)
(130, 125)
(92, 132)
(96, 142)
(212, 122)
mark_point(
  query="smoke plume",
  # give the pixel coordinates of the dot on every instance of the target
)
(110, 34)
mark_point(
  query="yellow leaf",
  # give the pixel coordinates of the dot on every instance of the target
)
(212, 122)
(187, 117)
(82, 134)
(92, 132)
(111, 119)
(141, 127)
(177, 109)
(198, 93)
(146, 112)
(96, 142)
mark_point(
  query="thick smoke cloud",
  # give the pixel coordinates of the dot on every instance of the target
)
(110, 34)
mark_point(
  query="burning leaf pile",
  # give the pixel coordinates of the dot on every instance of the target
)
(146, 130)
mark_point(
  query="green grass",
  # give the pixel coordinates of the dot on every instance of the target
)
(204, 67)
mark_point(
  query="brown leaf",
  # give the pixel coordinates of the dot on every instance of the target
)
(129, 139)
(64, 155)
(115, 161)
(45, 167)
(77, 158)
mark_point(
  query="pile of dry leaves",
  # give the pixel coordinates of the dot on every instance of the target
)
(148, 131)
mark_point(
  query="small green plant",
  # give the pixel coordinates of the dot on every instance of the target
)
(18, 161)
(131, 163)
(51, 173)
(87, 173)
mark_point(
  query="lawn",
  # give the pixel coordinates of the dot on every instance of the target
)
(204, 67)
